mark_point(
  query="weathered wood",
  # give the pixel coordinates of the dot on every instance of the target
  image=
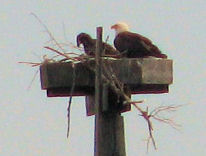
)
(98, 71)
(109, 124)
(105, 96)
(108, 103)
(98, 94)
(142, 75)
(138, 89)
(90, 105)
(111, 135)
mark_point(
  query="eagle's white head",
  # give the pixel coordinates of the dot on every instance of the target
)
(120, 27)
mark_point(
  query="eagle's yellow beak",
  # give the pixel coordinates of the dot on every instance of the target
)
(114, 26)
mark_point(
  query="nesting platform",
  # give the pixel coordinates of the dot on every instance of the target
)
(141, 75)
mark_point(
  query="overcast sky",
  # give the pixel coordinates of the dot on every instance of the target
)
(32, 124)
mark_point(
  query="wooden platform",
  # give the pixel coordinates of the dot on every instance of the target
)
(142, 75)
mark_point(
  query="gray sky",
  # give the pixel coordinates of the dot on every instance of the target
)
(32, 124)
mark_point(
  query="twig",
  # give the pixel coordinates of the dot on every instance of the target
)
(33, 79)
(113, 86)
(119, 84)
(70, 99)
(56, 51)
(146, 116)
(33, 64)
(47, 30)
(155, 115)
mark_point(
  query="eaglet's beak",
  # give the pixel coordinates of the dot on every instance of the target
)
(78, 43)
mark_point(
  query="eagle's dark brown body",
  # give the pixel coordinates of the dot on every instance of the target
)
(90, 45)
(133, 45)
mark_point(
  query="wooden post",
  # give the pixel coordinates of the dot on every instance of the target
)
(98, 70)
(109, 126)
(98, 87)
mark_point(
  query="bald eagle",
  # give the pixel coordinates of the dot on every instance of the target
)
(133, 45)
(89, 45)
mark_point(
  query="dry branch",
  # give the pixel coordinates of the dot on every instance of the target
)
(32, 64)
(70, 99)
(155, 115)
(48, 32)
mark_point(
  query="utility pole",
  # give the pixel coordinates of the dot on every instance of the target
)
(140, 75)
(109, 125)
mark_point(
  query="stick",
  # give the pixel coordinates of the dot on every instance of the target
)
(70, 99)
